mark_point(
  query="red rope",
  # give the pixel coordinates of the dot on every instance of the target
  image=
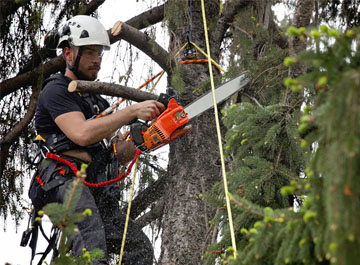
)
(95, 185)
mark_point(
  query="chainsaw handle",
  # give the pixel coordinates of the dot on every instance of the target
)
(164, 98)
(136, 132)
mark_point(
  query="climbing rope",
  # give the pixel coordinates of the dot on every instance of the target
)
(133, 183)
(227, 195)
(202, 61)
(128, 214)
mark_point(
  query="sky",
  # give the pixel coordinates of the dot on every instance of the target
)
(109, 13)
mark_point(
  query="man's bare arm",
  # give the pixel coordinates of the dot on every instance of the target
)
(86, 132)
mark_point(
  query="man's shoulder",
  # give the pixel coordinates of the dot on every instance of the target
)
(56, 79)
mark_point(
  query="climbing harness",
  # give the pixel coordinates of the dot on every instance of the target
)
(227, 195)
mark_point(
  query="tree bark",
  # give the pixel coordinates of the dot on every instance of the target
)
(147, 18)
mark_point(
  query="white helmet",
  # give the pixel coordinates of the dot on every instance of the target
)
(84, 30)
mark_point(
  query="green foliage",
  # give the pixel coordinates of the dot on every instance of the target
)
(175, 14)
(259, 56)
(64, 217)
(269, 157)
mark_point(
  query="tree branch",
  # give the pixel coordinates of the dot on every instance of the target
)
(229, 11)
(110, 90)
(56, 64)
(29, 78)
(8, 140)
(147, 18)
(150, 195)
(91, 7)
(152, 215)
(144, 43)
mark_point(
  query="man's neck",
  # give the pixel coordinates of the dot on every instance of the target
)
(70, 74)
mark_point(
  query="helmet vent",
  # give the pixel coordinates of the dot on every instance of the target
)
(66, 30)
(84, 34)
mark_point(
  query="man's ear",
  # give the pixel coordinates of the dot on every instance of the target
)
(69, 55)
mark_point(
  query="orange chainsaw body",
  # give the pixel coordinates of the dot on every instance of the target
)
(171, 124)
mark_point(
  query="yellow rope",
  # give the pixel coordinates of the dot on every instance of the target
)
(132, 191)
(157, 81)
(228, 206)
(206, 55)
(128, 213)
(178, 52)
(220, 8)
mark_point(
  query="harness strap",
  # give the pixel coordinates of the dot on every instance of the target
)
(95, 185)
(51, 246)
(33, 241)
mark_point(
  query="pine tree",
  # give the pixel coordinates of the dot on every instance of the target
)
(311, 153)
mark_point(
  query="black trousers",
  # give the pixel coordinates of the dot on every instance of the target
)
(104, 228)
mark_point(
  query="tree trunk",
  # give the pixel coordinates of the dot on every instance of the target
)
(194, 164)
(302, 18)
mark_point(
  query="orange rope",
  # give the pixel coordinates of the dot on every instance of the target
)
(110, 109)
(202, 61)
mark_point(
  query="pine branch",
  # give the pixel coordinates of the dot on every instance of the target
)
(11, 137)
(252, 98)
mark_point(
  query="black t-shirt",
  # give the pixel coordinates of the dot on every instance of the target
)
(55, 100)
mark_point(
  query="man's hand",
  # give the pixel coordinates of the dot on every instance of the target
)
(148, 110)
(125, 150)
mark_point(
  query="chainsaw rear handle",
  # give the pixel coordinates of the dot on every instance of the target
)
(137, 130)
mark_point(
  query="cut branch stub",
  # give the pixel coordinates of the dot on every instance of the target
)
(116, 29)
(110, 90)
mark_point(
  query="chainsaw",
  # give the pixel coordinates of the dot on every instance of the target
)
(174, 121)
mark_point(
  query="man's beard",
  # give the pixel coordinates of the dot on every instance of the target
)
(86, 77)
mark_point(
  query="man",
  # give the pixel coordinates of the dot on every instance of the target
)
(65, 121)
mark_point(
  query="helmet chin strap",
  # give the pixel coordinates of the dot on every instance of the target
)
(75, 68)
